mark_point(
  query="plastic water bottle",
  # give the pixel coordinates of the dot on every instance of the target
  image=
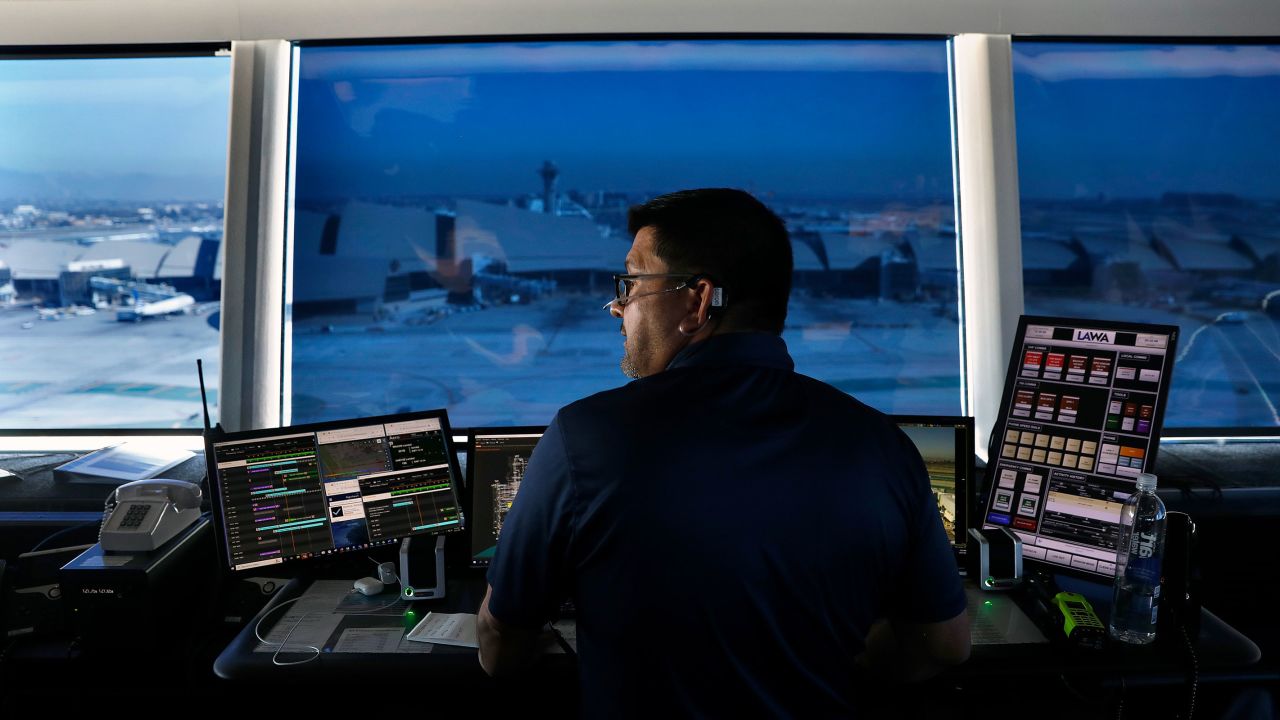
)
(1138, 555)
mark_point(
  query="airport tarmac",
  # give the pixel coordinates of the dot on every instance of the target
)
(90, 371)
(517, 364)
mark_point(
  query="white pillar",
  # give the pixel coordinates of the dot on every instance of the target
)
(988, 216)
(254, 238)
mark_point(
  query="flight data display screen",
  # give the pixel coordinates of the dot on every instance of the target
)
(495, 469)
(303, 493)
(1079, 420)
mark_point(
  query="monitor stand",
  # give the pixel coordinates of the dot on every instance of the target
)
(412, 591)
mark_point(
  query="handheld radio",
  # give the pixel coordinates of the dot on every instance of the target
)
(1080, 624)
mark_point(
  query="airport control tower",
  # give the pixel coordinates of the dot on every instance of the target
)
(550, 173)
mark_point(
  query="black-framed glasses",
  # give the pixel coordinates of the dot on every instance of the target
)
(623, 284)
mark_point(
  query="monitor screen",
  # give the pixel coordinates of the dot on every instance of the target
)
(1079, 420)
(495, 466)
(946, 446)
(310, 490)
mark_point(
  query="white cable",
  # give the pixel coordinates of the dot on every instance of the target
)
(280, 646)
(107, 507)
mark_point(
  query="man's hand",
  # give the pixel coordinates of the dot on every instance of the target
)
(911, 652)
(503, 649)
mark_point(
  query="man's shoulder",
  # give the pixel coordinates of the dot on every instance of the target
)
(827, 396)
(606, 402)
(656, 393)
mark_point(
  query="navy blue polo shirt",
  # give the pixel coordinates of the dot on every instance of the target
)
(729, 530)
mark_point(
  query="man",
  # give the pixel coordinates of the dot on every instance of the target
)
(736, 537)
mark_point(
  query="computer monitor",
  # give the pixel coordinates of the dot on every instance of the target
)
(946, 445)
(313, 490)
(1079, 420)
(496, 459)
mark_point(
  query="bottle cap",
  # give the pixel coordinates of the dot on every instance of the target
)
(1147, 482)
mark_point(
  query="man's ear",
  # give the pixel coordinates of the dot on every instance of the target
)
(701, 308)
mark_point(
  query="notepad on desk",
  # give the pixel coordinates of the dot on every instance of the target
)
(446, 629)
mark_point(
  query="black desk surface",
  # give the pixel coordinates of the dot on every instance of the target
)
(445, 679)
(443, 662)
(1222, 652)
(37, 492)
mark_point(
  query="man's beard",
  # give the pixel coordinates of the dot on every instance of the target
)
(632, 359)
(628, 365)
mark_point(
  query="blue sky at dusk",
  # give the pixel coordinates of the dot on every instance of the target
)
(812, 118)
(1142, 120)
(815, 117)
(123, 126)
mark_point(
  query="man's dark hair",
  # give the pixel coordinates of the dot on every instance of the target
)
(732, 237)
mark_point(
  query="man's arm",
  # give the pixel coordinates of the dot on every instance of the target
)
(911, 645)
(503, 648)
(911, 652)
(527, 577)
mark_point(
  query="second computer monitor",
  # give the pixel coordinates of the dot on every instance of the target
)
(496, 460)
(946, 446)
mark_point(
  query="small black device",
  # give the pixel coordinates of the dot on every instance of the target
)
(130, 603)
(995, 558)
(1180, 578)
(247, 596)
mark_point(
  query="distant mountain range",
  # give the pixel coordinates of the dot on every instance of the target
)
(17, 185)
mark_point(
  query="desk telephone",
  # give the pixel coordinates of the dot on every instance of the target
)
(143, 515)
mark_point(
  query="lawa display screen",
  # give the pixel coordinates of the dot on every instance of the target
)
(1079, 421)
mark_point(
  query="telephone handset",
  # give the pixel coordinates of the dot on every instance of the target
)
(148, 513)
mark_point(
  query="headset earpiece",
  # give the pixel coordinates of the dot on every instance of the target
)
(717, 294)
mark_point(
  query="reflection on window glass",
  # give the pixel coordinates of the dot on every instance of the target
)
(1150, 184)
(460, 208)
(112, 175)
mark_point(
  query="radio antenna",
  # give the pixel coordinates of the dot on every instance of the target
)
(204, 399)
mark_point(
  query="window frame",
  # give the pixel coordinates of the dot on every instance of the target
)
(259, 410)
(283, 412)
(98, 51)
(1176, 434)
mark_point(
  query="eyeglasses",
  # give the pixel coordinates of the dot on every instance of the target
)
(622, 285)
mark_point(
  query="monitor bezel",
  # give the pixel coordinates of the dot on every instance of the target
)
(965, 484)
(1006, 398)
(468, 500)
(213, 481)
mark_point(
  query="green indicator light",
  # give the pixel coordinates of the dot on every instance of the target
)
(408, 591)
(990, 581)
(987, 603)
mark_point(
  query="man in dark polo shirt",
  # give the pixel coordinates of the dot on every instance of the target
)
(737, 538)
